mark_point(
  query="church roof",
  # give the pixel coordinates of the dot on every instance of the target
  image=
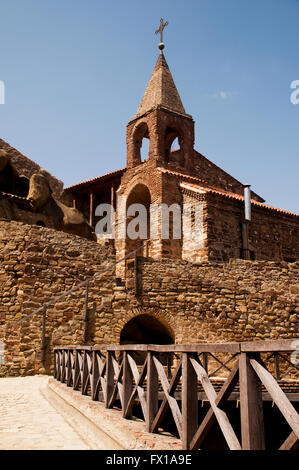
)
(197, 188)
(88, 184)
(161, 90)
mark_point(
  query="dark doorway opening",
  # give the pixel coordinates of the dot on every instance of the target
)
(145, 329)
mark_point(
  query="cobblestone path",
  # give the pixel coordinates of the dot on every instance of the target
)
(29, 422)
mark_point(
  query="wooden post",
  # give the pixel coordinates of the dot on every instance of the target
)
(152, 392)
(112, 196)
(127, 386)
(95, 375)
(69, 367)
(169, 363)
(206, 362)
(91, 210)
(189, 401)
(55, 375)
(84, 374)
(251, 405)
(109, 378)
(277, 369)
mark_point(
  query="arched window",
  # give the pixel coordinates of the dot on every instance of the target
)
(141, 143)
(173, 146)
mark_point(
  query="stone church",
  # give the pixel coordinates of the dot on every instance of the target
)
(180, 176)
(185, 176)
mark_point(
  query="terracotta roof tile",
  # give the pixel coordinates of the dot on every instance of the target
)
(238, 197)
(97, 179)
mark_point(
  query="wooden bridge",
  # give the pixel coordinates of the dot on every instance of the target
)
(238, 396)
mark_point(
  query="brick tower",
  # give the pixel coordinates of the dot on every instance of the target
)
(161, 118)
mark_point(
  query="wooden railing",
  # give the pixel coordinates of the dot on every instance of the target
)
(175, 388)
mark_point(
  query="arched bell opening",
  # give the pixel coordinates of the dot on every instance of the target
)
(141, 143)
(173, 146)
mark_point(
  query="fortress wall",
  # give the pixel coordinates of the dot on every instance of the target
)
(210, 302)
(207, 302)
(36, 265)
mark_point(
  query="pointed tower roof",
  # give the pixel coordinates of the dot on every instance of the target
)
(161, 90)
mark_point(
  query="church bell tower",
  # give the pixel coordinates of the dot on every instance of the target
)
(161, 118)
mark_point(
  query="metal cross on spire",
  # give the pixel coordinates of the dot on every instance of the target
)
(160, 30)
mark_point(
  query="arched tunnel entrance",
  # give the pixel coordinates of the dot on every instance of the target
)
(146, 329)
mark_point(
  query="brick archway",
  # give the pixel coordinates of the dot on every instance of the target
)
(139, 195)
(146, 329)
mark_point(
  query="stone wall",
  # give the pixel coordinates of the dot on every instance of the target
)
(208, 302)
(36, 265)
(273, 235)
(211, 302)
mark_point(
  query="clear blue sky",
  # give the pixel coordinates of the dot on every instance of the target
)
(75, 72)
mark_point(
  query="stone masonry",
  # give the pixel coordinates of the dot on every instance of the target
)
(209, 302)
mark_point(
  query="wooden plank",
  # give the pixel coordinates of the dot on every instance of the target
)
(100, 382)
(222, 364)
(59, 364)
(70, 365)
(269, 346)
(196, 347)
(55, 375)
(141, 393)
(73, 359)
(291, 443)
(189, 401)
(139, 378)
(251, 407)
(278, 396)
(165, 405)
(152, 391)
(83, 348)
(95, 377)
(99, 347)
(210, 417)
(77, 372)
(127, 386)
(173, 404)
(223, 421)
(64, 366)
(109, 378)
(85, 375)
(118, 387)
(91, 209)
(128, 347)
